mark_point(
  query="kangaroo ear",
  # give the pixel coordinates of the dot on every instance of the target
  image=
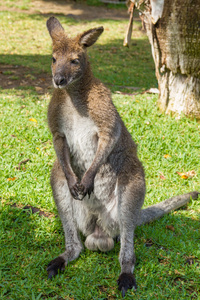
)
(88, 38)
(54, 27)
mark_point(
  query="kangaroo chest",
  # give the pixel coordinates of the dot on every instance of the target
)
(82, 136)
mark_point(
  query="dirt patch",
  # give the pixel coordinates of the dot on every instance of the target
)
(21, 77)
(72, 9)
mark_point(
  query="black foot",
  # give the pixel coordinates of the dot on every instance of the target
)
(126, 281)
(57, 264)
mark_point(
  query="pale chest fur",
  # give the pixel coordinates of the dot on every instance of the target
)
(81, 134)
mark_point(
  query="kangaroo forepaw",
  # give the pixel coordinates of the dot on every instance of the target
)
(126, 281)
(56, 265)
(86, 189)
(75, 192)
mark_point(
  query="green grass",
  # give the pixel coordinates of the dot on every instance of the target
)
(19, 4)
(29, 241)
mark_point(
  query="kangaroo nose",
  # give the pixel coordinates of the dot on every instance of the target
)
(60, 79)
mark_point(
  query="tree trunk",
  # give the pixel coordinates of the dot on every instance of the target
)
(175, 43)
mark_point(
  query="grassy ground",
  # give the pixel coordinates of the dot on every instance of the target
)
(167, 250)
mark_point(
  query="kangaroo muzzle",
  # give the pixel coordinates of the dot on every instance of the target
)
(59, 81)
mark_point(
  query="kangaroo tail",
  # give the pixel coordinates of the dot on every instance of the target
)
(158, 210)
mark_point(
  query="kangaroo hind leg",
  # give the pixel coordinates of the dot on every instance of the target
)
(63, 200)
(130, 201)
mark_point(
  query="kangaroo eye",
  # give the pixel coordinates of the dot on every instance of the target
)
(75, 61)
(53, 60)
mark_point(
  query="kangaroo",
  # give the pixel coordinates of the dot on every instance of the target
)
(97, 180)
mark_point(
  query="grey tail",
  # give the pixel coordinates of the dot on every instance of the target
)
(158, 210)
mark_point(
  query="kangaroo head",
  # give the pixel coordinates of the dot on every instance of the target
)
(69, 61)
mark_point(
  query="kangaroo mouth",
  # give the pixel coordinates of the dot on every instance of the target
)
(59, 85)
(60, 81)
(62, 84)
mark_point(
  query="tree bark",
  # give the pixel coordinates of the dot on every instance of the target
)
(175, 43)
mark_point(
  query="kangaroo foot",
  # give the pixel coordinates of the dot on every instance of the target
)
(56, 265)
(126, 281)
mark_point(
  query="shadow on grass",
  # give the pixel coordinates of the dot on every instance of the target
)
(85, 10)
(115, 65)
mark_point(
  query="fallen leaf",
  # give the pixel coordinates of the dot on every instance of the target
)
(191, 173)
(180, 174)
(166, 156)
(162, 176)
(170, 227)
(33, 120)
(11, 179)
(185, 175)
